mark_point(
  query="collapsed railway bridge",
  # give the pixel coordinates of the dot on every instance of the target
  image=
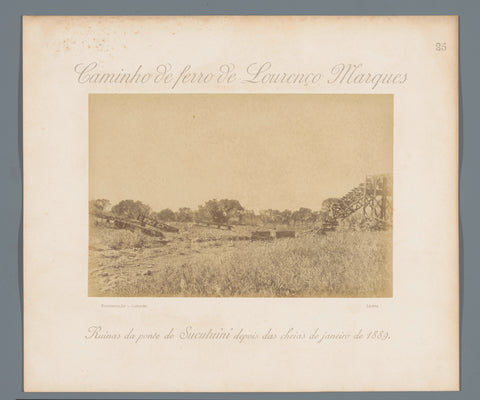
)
(374, 197)
(147, 226)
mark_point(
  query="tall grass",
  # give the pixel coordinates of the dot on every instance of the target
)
(339, 264)
(103, 236)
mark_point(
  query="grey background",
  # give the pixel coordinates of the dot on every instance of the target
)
(11, 173)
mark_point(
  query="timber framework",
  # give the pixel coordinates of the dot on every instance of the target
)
(374, 197)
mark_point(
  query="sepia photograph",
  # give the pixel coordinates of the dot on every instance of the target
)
(240, 195)
(256, 191)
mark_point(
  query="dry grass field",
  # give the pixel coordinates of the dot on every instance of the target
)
(207, 262)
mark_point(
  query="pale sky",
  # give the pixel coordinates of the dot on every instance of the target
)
(279, 151)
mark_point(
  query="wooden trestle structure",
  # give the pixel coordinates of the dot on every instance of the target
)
(374, 196)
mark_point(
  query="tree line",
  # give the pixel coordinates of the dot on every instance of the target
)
(225, 211)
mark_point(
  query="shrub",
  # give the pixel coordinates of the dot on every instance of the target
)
(123, 239)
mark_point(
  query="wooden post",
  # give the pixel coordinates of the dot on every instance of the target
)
(365, 197)
(384, 199)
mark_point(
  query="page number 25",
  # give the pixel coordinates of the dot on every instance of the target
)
(440, 46)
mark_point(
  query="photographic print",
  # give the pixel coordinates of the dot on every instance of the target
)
(255, 191)
(240, 195)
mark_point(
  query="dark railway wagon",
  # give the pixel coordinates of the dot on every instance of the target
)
(261, 235)
(284, 234)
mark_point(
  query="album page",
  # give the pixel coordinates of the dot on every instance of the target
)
(240, 203)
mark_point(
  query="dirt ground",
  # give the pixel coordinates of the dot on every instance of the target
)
(204, 261)
(108, 267)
